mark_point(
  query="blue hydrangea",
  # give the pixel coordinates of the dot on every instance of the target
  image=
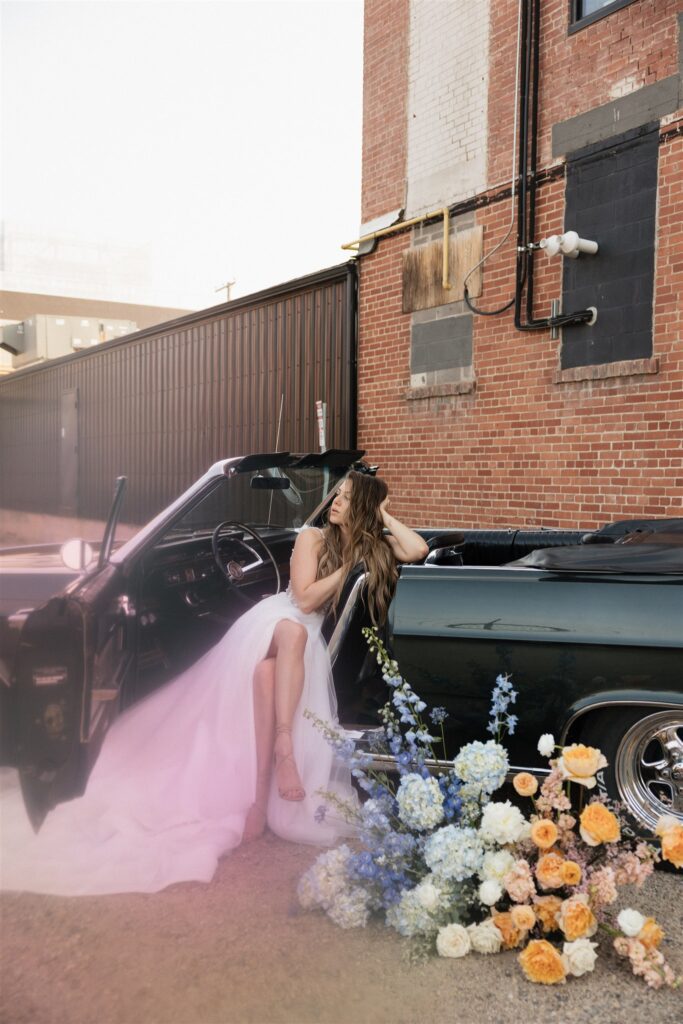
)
(482, 767)
(454, 853)
(420, 802)
(350, 908)
(417, 912)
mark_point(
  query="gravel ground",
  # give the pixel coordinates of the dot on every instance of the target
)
(238, 950)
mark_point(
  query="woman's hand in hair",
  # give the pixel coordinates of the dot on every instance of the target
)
(407, 545)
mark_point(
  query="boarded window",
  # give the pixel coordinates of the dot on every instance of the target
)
(611, 197)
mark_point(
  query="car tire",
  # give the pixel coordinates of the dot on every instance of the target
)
(644, 751)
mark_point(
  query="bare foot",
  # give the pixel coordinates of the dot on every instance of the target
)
(257, 815)
(255, 822)
(288, 779)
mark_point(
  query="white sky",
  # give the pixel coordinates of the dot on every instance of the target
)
(207, 139)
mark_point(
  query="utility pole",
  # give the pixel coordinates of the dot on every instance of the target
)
(228, 287)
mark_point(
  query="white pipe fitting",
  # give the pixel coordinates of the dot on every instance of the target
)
(569, 244)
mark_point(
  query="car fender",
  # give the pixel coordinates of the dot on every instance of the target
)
(615, 698)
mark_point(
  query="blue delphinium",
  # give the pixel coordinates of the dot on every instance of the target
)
(500, 719)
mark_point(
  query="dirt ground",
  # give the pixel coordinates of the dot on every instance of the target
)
(238, 951)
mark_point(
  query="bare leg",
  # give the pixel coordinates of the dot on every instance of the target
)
(289, 643)
(264, 727)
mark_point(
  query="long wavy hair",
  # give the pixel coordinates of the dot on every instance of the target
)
(366, 543)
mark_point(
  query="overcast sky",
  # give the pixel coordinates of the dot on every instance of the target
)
(213, 139)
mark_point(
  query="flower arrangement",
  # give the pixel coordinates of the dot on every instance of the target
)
(456, 871)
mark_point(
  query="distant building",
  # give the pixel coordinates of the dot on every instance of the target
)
(37, 327)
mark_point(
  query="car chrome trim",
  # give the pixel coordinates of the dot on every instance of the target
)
(387, 762)
(633, 702)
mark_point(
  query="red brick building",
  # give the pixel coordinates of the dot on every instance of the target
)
(476, 421)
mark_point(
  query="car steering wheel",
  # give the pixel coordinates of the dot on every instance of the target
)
(233, 572)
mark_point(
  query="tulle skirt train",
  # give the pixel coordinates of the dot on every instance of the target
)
(176, 776)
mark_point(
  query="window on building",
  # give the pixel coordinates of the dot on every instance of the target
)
(611, 197)
(585, 12)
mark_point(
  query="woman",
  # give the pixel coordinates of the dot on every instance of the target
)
(187, 773)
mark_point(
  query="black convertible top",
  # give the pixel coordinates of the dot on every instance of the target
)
(652, 549)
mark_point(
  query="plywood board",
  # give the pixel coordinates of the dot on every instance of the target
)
(423, 271)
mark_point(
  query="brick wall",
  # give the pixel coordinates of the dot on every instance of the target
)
(532, 444)
(385, 80)
(446, 157)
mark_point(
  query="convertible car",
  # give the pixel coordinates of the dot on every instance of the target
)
(589, 626)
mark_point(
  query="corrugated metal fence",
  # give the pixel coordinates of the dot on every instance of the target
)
(161, 405)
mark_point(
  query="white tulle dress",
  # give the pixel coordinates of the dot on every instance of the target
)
(176, 776)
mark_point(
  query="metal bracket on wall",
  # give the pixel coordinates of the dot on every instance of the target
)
(555, 310)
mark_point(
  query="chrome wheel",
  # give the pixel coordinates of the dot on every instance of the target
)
(648, 767)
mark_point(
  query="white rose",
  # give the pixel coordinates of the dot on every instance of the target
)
(630, 922)
(546, 744)
(490, 892)
(453, 940)
(485, 937)
(496, 865)
(502, 823)
(428, 895)
(579, 957)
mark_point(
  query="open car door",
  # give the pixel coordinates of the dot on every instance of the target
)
(73, 659)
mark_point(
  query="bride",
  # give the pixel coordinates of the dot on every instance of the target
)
(207, 761)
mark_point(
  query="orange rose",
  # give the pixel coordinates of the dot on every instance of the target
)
(598, 825)
(576, 919)
(671, 832)
(525, 784)
(571, 872)
(544, 833)
(547, 910)
(542, 963)
(523, 917)
(579, 763)
(505, 925)
(549, 871)
(650, 934)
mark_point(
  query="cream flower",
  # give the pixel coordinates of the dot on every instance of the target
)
(490, 892)
(580, 763)
(502, 823)
(485, 937)
(630, 921)
(453, 940)
(546, 744)
(496, 865)
(428, 895)
(579, 957)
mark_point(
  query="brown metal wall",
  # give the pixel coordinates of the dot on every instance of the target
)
(160, 406)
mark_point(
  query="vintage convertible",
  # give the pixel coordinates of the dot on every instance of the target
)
(589, 626)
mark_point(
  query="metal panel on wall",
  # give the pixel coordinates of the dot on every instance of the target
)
(161, 405)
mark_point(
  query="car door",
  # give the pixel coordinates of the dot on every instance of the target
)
(75, 657)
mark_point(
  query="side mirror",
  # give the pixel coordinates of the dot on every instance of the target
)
(76, 554)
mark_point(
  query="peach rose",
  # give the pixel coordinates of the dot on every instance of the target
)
(571, 872)
(512, 936)
(576, 919)
(579, 763)
(542, 963)
(544, 833)
(525, 784)
(650, 934)
(549, 871)
(598, 825)
(547, 910)
(670, 830)
(523, 917)
(519, 882)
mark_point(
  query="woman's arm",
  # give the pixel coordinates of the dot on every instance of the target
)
(310, 594)
(407, 545)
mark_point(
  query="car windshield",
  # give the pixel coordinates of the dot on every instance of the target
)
(278, 497)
